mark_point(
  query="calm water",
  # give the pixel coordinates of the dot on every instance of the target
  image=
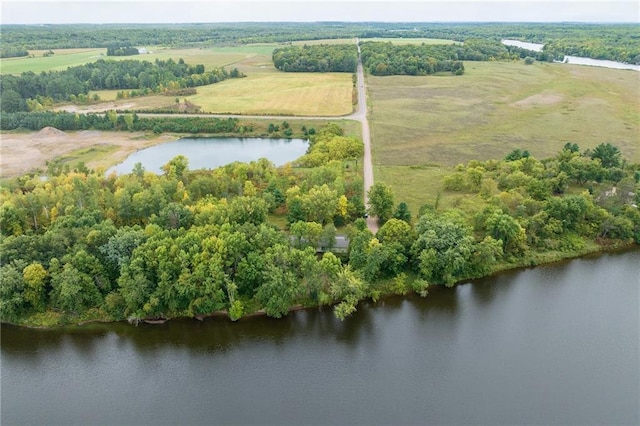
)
(209, 153)
(551, 345)
(575, 60)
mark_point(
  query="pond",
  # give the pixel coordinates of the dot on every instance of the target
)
(209, 153)
(557, 344)
(575, 60)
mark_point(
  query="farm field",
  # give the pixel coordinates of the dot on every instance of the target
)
(422, 126)
(265, 90)
(279, 93)
(265, 93)
(63, 58)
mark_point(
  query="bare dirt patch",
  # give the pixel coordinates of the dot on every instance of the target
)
(102, 107)
(24, 152)
(544, 98)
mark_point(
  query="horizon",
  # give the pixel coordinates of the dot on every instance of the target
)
(144, 12)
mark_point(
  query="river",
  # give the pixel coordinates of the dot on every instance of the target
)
(557, 344)
(575, 60)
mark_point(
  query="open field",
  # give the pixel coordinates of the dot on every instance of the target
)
(22, 152)
(497, 107)
(265, 90)
(63, 58)
(266, 93)
(423, 126)
(326, 94)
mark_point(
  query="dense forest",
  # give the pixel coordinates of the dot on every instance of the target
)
(30, 91)
(317, 58)
(617, 42)
(81, 245)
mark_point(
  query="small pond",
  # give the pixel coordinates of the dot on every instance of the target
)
(209, 153)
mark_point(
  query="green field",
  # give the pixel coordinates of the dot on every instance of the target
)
(279, 93)
(422, 126)
(64, 58)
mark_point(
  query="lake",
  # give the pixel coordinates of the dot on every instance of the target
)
(575, 60)
(209, 153)
(557, 344)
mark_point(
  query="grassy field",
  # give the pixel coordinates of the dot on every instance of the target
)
(327, 94)
(64, 58)
(265, 90)
(422, 126)
(61, 60)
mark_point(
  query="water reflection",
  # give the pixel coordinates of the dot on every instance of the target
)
(531, 346)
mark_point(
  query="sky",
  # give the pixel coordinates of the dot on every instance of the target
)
(163, 11)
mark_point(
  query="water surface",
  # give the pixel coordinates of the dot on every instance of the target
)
(575, 60)
(551, 345)
(209, 153)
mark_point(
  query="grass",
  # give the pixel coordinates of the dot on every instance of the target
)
(422, 126)
(279, 93)
(93, 156)
(61, 60)
(497, 107)
(64, 58)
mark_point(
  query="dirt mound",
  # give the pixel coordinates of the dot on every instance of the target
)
(50, 132)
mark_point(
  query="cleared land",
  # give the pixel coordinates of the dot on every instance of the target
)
(435, 122)
(24, 152)
(265, 90)
(63, 58)
(279, 93)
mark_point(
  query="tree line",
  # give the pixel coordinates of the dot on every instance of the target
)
(120, 50)
(316, 58)
(118, 122)
(81, 245)
(601, 41)
(144, 76)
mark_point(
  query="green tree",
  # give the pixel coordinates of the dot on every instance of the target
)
(609, 155)
(402, 212)
(381, 202)
(35, 281)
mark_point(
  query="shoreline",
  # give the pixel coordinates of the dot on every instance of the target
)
(223, 314)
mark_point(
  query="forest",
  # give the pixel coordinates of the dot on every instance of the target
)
(618, 42)
(316, 58)
(30, 91)
(83, 246)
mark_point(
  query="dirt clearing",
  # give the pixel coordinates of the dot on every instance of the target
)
(23, 152)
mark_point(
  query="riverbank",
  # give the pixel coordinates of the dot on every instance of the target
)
(53, 319)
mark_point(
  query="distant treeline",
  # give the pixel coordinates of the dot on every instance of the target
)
(12, 52)
(113, 121)
(160, 76)
(317, 58)
(425, 59)
(617, 42)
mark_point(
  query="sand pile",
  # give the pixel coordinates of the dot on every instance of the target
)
(49, 132)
